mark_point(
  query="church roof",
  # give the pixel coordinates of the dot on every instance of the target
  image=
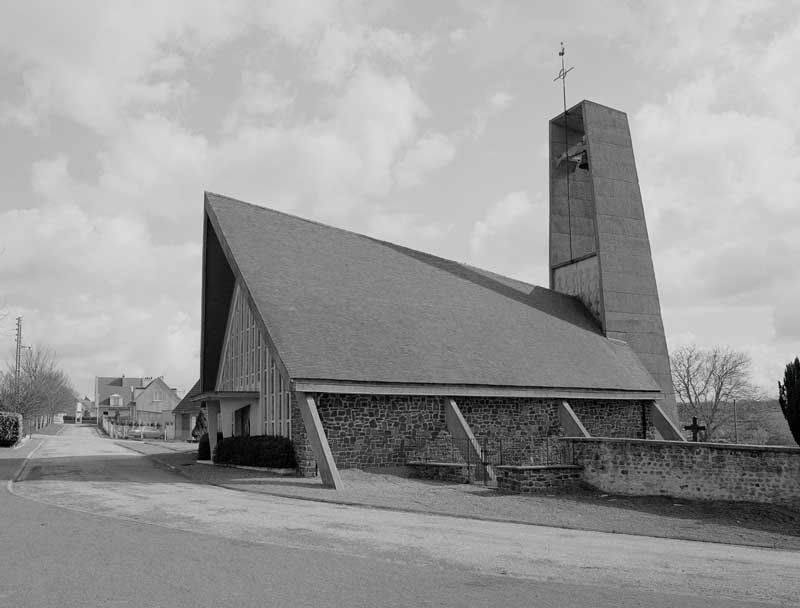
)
(344, 307)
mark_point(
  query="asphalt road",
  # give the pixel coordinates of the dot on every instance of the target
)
(90, 523)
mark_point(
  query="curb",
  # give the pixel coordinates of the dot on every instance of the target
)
(16, 476)
(25, 439)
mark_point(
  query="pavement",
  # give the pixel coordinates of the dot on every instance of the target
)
(83, 473)
(722, 522)
(55, 557)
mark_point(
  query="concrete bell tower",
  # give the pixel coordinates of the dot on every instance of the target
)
(599, 248)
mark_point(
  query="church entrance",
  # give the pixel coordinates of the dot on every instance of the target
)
(241, 422)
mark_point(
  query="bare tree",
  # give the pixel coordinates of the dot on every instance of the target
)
(43, 389)
(707, 381)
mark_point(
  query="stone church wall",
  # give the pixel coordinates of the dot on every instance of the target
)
(377, 430)
(614, 418)
(367, 431)
(705, 471)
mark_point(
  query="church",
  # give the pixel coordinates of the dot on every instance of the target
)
(355, 347)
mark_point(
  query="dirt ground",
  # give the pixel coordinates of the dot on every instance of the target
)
(710, 521)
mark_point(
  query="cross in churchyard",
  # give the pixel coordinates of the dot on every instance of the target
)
(695, 428)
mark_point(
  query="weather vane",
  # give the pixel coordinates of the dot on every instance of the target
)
(562, 76)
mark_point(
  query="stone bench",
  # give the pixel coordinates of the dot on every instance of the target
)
(441, 471)
(529, 479)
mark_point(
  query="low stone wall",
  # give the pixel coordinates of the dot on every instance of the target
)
(705, 471)
(533, 479)
(441, 471)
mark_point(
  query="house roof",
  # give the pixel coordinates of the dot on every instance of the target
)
(186, 405)
(341, 306)
(116, 385)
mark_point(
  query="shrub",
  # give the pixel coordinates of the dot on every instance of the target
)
(10, 428)
(204, 446)
(270, 451)
(200, 425)
(789, 397)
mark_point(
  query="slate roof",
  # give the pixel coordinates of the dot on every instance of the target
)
(341, 306)
(185, 405)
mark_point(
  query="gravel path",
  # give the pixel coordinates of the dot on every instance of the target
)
(718, 521)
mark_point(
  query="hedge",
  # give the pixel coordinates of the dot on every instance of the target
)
(10, 428)
(204, 447)
(270, 451)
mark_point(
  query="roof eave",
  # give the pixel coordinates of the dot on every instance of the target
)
(225, 395)
(466, 390)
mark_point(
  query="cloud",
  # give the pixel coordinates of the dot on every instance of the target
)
(496, 104)
(718, 161)
(430, 153)
(96, 63)
(411, 229)
(501, 100)
(262, 98)
(502, 239)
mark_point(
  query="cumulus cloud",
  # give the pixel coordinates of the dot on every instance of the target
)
(410, 229)
(507, 237)
(501, 100)
(262, 97)
(717, 158)
(124, 64)
(343, 110)
(430, 153)
(116, 235)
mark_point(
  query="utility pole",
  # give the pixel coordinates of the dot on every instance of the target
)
(735, 425)
(17, 364)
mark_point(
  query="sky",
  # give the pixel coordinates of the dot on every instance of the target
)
(422, 123)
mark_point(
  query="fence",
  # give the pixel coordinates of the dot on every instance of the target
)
(136, 431)
(539, 451)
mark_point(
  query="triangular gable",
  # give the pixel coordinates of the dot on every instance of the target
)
(217, 290)
(244, 350)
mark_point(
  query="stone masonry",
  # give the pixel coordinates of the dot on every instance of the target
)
(529, 480)
(629, 419)
(366, 431)
(706, 471)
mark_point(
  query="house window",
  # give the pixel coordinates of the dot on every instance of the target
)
(115, 400)
(157, 395)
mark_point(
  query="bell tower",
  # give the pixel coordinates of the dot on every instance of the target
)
(599, 247)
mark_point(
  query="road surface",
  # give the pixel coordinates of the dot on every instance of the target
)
(95, 524)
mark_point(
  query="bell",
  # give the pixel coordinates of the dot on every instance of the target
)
(584, 162)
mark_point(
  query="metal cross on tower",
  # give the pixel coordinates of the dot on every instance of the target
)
(562, 76)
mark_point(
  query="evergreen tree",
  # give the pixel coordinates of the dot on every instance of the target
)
(789, 397)
(200, 425)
